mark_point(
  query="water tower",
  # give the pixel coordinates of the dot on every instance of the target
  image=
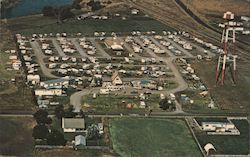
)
(227, 58)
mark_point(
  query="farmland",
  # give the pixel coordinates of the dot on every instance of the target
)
(148, 137)
(15, 136)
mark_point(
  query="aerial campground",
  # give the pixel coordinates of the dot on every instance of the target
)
(125, 78)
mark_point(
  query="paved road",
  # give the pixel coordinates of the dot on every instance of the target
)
(40, 56)
(99, 48)
(58, 48)
(76, 98)
(78, 47)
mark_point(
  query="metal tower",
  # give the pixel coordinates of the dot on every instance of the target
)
(227, 58)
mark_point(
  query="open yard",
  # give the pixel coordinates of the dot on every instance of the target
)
(118, 102)
(16, 136)
(226, 144)
(152, 138)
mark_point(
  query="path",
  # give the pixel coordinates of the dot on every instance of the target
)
(40, 56)
(58, 48)
(79, 48)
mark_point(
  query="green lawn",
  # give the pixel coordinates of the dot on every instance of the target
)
(152, 138)
(225, 144)
(30, 25)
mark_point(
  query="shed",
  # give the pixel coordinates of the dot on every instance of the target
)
(80, 140)
(208, 148)
(33, 78)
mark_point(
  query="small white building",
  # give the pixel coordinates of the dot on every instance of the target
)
(80, 140)
(100, 128)
(34, 79)
(73, 124)
(16, 64)
(48, 92)
(217, 126)
(208, 148)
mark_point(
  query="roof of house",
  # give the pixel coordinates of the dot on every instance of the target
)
(113, 43)
(63, 79)
(115, 74)
(73, 123)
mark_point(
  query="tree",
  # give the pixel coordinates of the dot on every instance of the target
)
(93, 132)
(41, 116)
(40, 132)
(69, 112)
(59, 111)
(48, 11)
(165, 104)
(76, 4)
(82, 113)
(95, 5)
(56, 138)
(65, 12)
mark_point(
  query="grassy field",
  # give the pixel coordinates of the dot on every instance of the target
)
(15, 136)
(225, 144)
(17, 99)
(73, 153)
(200, 103)
(40, 24)
(118, 102)
(228, 97)
(152, 138)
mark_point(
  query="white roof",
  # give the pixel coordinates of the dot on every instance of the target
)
(208, 147)
(116, 47)
(80, 140)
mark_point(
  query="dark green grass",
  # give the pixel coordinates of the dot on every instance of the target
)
(39, 24)
(225, 144)
(152, 138)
